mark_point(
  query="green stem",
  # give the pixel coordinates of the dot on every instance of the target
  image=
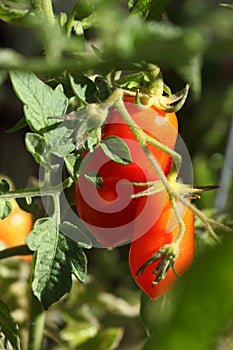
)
(36, 328)
(175, 156)
(57, 211)
(38, 191)
(180, 221)
(15, 251)
(70, 20)
(43, 8)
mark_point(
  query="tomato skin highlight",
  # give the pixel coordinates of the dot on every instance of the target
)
(109, 212)
(15, 228)
(164, 231)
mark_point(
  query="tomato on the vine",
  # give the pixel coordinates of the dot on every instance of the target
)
(163, 232)
(109, 211)
(15, 228)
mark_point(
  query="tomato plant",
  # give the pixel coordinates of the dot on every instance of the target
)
(109, 206)
(64, 75)
(15, 228)
(162, 233)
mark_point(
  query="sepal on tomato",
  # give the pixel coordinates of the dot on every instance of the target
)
(167, 256)
(149, 89)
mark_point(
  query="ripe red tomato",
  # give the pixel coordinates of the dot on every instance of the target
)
(164, 231)
(109, 211)
(15, 228)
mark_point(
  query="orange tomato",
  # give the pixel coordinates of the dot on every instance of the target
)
(15, 228)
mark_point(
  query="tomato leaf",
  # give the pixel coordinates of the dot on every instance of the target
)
(36, 145)
(60, 142)
(57, 258)
(71, 162)
(8, 328)
(116, 149)
(5, 208)
(5, 205)
(84, 88)
(77, 234)
(40, 100)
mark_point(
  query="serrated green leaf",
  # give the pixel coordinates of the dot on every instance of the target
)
(8, 327)
(5, 205)
(60, 142)
(70, 162)
(108, 339)
(40, 100)
(57, 258)
(5, 208)
(76, 234)
(84, 88)
(117, 150)
(36, 145)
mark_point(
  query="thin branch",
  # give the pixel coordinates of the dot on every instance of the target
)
(15, 251)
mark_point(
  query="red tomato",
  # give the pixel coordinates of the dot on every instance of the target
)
(164, 231)
(109, 211)
(15, 228)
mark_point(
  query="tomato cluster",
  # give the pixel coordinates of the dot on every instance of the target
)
(110, 212)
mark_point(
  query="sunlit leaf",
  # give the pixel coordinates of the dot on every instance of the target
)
(8, 327)
(57, 258)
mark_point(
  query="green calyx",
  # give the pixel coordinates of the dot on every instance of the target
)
(149, 89)
(167, 256)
